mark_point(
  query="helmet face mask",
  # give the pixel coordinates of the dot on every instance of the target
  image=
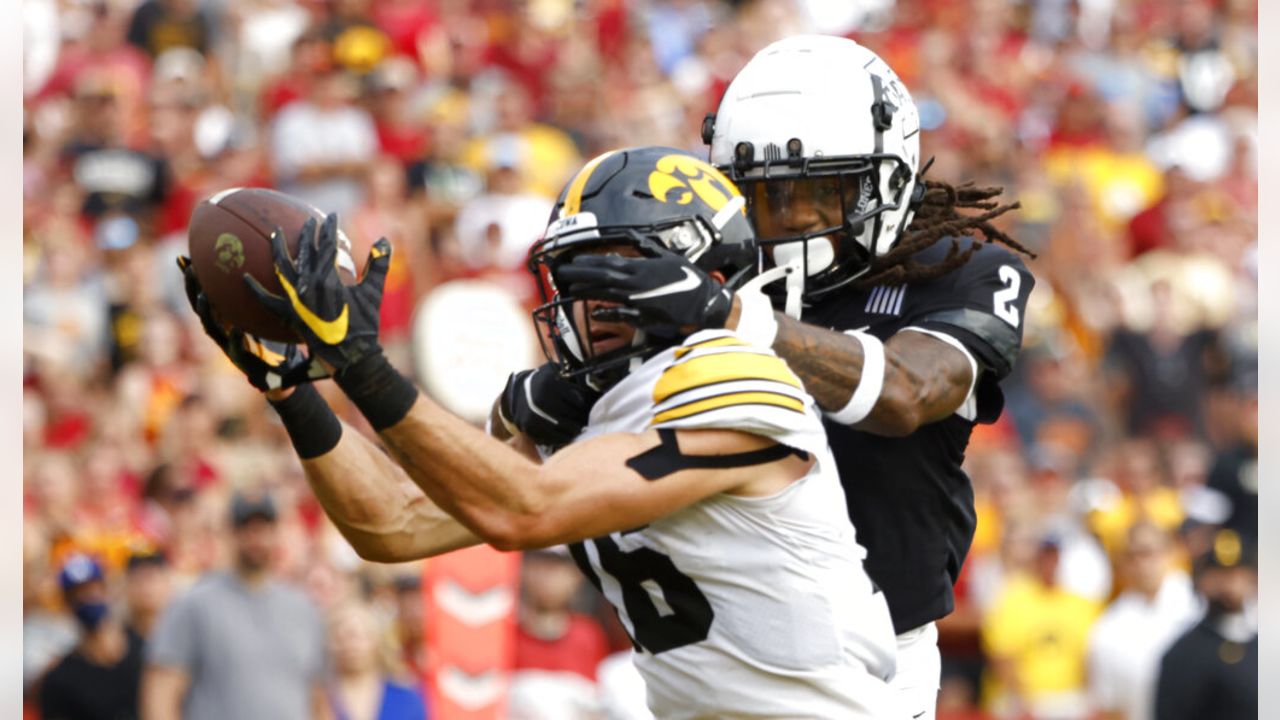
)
(635, 203)
(825, 214)
(785, 125)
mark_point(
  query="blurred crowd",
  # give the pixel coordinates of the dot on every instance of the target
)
(1117, 488)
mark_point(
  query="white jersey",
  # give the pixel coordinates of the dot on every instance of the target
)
(743, 607)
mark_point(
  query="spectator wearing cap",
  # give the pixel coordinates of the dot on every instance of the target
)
(496, 229)
(100, 677)
(1035, 635)
(239, 644)
(546, 157)
(159, 25)
(1234, 472)
(1127, 641)
(1212, 670)
(146, 589)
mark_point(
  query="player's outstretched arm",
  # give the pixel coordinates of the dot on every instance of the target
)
(377, 508)
(366, 495)
(922, 379)
(591, 488)
(503, 497)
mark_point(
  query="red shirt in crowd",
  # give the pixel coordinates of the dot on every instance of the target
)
(579, 650)
(403, 24)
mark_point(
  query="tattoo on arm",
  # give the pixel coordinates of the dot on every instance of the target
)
(828, 362)
(925, 379)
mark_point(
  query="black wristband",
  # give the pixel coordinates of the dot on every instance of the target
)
(313, 428)
(383, 395)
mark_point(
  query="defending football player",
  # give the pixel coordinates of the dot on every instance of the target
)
(908, 325)
(701, 498)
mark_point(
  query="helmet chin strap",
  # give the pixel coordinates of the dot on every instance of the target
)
(568, 337)
(637, 341)
(792, 271)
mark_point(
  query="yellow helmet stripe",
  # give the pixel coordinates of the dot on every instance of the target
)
(573, 199)
(729, 400)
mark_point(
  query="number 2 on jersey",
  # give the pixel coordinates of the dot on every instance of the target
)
(687, 618)
(1006, 296)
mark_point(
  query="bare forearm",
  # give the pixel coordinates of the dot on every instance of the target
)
(488, 486)
(828, 362)
(156, 707)
(376, 507)
(161, 693)
(925, 379)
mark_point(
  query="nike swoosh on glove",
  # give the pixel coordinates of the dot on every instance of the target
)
(338, 322)
(548, 408)
(268, 365)
(664, 294)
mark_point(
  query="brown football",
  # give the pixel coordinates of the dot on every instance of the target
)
(230, 235)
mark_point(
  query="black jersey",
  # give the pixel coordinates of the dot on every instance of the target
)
(77, 688)
(909, 499)
(1206, 674)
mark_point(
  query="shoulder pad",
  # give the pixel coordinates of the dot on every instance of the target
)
(721, 372)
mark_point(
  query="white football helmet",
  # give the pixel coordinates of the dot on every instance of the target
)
(824, 140)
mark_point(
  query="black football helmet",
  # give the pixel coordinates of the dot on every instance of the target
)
(637, 201)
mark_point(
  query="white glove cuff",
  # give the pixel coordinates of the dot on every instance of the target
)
(867, 394)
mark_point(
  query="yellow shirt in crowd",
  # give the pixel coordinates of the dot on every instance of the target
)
(1044, 632)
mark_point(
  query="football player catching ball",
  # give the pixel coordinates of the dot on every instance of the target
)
(700, 496)
(899, 322)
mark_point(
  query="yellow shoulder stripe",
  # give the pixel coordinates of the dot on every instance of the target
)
(729, 400)
(714, 342)
(721, 367)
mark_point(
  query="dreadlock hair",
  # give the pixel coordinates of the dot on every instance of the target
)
(939, 216)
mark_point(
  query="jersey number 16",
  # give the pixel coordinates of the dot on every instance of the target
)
(685, 620)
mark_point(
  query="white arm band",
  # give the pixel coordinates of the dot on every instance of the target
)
(867, 394)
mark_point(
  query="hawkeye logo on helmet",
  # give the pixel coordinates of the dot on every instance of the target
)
(677, 178)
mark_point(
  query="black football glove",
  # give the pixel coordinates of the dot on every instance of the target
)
(549, 409)
(663, 294)
(338, 322)
(268, 365)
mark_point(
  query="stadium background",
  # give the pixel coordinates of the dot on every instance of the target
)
(1127, 128)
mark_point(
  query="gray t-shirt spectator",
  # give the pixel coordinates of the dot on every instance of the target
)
(305, 134)
(251, 652)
